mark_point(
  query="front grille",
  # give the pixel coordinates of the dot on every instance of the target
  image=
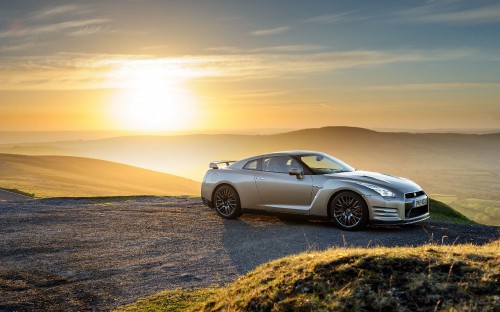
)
(414, 194)
(415, 212)
(408, 206)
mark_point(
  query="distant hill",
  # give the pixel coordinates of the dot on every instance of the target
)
(463, 168)
(189, 155)
(54, 176)
(11, 137)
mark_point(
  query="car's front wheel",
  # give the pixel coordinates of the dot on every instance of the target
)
(349, 211)
(227, 202)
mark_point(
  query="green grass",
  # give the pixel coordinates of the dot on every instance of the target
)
(480, 210)
(441, 211)
(460, 277)
(18, 192)
(171, 300)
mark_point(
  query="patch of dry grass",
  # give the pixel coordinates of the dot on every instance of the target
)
(460, 277)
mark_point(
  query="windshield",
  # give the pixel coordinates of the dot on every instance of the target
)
(323, 164)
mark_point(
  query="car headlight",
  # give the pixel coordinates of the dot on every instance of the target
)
(382, 191)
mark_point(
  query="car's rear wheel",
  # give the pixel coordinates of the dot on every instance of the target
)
(227, 202)
(349, 211)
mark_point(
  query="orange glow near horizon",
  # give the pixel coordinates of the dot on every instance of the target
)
(210, 94)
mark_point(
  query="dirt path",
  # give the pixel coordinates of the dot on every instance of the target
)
(68, 254)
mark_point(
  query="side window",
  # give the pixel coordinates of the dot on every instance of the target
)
(280, 164)
(252, 165)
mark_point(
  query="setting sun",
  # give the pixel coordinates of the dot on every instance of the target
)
(152, 97)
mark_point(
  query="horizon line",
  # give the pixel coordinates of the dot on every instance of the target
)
(263, 131)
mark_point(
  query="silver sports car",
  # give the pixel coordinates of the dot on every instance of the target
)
(312, 184)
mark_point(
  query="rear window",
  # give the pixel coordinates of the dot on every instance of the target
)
(252, 165)
(280, 164)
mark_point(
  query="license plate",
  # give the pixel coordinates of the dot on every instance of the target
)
(420, 202)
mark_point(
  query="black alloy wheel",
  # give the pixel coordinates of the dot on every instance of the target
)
(349, 211)
(227, 202)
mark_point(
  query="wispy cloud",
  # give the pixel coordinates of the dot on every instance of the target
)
(83, 71)
(51, 28)
(445, 12)
(290, 48)
(55, 11)
(256, 93)
(434, 86)
(16, 47)
(335, 18)
(271, 49)
(270, 31)
(75, 19)
(86, 30)
(327, 106)
(437, 13)
(225, 49)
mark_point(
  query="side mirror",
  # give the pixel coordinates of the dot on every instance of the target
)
(213, 165)
(296, 172)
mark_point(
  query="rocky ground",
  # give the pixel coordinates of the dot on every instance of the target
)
(9, 196)
(86, 254)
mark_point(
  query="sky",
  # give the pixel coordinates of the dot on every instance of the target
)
(248, 66)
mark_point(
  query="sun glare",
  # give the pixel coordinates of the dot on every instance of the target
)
(152, 98)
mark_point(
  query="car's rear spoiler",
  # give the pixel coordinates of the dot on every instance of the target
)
(215, 164)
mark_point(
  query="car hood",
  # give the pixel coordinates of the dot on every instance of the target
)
(379, 179)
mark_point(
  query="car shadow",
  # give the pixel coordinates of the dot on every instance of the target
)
(254, 239)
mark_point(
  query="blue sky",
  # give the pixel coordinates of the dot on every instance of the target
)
(361, 63)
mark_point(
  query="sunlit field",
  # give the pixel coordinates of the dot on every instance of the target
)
(485, 211)
(60, 176)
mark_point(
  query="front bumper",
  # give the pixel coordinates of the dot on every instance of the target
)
(397, 210)
(403, 222)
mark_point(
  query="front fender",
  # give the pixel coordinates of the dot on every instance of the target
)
(320, 203)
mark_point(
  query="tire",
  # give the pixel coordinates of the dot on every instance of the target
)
(227, 202)
(349, 211)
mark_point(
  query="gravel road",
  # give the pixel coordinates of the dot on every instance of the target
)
(83, 254)
(9, 196)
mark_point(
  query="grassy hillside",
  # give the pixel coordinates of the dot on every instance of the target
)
(484, 211)
(427, 278)
(441, 211)
(56, 176)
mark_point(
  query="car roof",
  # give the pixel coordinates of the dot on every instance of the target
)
(242, 162)
(294, 152)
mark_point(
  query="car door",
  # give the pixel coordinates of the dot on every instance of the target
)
(280, 191)
(246, 184)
